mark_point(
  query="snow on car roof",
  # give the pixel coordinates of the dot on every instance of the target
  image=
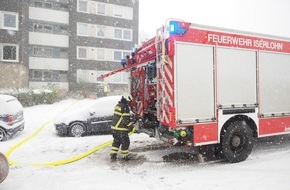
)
(101, 107)
(6, 98)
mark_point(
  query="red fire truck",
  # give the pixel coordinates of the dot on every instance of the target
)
(198, 85)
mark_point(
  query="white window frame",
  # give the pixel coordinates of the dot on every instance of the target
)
(87, 53)
(127, 30)
(79, 6)
(101, 54)
(118, 11)
(117, 51)
(115, 37)
(2, 53)
(42, 28)
(79, 29)
(43, 50)
(97, 9)
(42, 73)
(122, 34)
(98, 28)
(122, 52)
(2, 15)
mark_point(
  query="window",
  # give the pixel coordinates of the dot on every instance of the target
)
(100, 31)
(43, 4)
(37, 28)
(122, 34)
(37, 75)
(63, 29)
(100, 54)
(101, 8)
(63, 6)
(42, 28)
(118, 33)
(63, 53)
(9, 53)
(63, 76)
(47, 28)
(117, 55)
(125, 53)
(118, 77)
(47, 5)
(125, 77)
(83, 6)
(82, 29)
(42, 52)
(118, 11)
(47, 75)
(127, 35)
(82, 53)
(38, 4)
(42, 75)
(10, 21)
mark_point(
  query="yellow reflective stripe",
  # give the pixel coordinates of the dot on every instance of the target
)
(118, 113)
(125, 152)
(114, 148)
(114, 152)
(126, 114)
(119, 129)
(118, 123)
(130, 124)
(118, 108)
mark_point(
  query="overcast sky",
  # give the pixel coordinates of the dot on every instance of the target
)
(260, 16)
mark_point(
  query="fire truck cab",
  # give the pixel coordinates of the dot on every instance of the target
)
(198, 85)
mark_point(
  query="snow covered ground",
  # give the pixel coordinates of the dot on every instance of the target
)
(267, 168)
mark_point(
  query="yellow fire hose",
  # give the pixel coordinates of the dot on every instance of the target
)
(59, 162)
(81, 156)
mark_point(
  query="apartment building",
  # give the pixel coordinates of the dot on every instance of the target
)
(13, 37)
(62, 42)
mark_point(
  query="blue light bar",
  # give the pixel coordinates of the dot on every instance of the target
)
(176, 27)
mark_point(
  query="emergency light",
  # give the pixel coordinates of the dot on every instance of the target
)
(177, 27)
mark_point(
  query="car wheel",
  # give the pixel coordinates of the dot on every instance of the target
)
(4, 166)
(77, 129)
(237, 142)
(2, 135)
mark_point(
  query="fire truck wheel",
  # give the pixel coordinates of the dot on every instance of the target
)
(237, 142)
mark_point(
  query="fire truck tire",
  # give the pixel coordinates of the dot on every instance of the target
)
(237, 142)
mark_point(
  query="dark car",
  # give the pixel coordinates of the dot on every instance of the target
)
(96, 118)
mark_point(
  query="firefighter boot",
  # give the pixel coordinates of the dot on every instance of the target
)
(113, 157)
(129, 157)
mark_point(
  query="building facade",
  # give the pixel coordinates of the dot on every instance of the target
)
(63, 42)
(14, 70)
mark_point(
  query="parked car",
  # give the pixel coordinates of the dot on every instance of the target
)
(95, 118)
(11, 116)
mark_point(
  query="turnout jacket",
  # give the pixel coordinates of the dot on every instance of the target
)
(121, 119)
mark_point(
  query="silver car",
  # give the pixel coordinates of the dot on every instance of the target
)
(11, 116)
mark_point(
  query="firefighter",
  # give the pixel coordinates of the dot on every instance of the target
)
(121, 126)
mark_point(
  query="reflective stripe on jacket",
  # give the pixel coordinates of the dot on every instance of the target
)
(121, 119)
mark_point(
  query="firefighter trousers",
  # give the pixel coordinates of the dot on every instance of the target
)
(121, 139)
